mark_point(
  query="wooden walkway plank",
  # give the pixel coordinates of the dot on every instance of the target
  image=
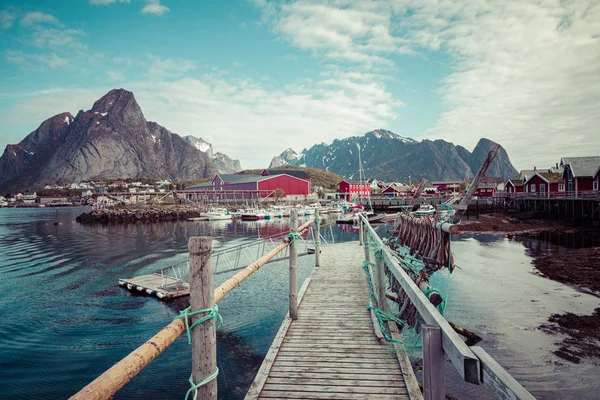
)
(330, 351)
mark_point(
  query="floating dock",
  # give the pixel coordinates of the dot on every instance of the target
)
(161, 286)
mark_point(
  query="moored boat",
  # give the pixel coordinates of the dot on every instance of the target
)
(424, 209)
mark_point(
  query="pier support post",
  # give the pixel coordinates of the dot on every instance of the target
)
(293, 267)
(318, 239)
(433, 363)
(204, 336)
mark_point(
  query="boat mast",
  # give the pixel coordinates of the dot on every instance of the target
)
(359, 174)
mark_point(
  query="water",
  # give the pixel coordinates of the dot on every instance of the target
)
(65, 320)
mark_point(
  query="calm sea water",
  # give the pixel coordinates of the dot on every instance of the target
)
(64, 320)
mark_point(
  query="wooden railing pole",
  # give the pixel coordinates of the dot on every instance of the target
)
(381, 287)
(204, 336)
(318, 240)
(360, 231)
(293, 269)
(433, 363)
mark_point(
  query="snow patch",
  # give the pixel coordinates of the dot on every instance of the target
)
(103, 114)
(350, 151)
(67, 120)
(97, 122)
(95, 112)
(203, 147)
(153, 138)
(14, 153)
(377, 135)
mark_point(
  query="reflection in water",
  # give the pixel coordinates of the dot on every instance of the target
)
(65, 320)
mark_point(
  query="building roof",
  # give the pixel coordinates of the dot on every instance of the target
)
(551, 176)
(241, 178)
(353, 182)
(486, 186)
(203, 185)
(296, 173)
(582, 166)
(515, 182)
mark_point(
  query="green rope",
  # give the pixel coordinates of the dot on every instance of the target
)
(196, 386)
(382, 315)
(292, 236)
(212, 313)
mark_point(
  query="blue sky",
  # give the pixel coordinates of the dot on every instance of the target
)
(256, 77)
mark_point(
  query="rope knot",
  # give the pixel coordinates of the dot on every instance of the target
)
(211, 313)
(292, 236)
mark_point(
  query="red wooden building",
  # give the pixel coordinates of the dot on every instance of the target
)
(397, 190)
(248, 186)
(486, 190)
(580, 174)
(449, 186)
(353, 188)
(544, 183)
(514, 186)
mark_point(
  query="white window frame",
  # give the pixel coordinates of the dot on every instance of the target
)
(532, 188)
(561, 187)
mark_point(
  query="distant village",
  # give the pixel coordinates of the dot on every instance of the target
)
(571, 177)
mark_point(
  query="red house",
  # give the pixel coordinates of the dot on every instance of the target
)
(349, 188)
(513, 186)
(486, 190)
(580, 174)
(450, 186)
(544, 183)
(397, 190)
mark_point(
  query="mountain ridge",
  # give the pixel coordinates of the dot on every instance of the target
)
(111, 140)
(388, 156)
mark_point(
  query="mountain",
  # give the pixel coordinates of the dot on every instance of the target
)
(224, 163)
(112, 140)
(392, 157)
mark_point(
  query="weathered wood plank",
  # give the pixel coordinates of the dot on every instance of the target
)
(289, 380)
(277, 394)
(365, 390)
(338, 377)
(336, 369)
(497, 380)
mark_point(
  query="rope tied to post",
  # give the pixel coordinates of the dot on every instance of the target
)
(196, 386)
(212, 313)
(292, 236)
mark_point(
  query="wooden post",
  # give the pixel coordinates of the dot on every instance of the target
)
(360, 230)
(433, 363)
(293, 269)
(204, 336)
(381, 285)
(318, 240)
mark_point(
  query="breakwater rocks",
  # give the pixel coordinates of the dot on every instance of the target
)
(128, 215)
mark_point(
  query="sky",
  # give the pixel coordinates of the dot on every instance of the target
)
(254, 77)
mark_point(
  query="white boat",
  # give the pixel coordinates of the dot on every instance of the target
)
(425, 209)
(252, 215)
(216, 214)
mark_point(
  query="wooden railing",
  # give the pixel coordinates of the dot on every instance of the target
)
(582, 194)
(203, 296)
(473, 363)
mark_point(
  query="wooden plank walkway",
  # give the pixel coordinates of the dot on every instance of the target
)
(330, 351)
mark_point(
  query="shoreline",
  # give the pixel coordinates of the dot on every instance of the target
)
(131, 214)
(500, 224)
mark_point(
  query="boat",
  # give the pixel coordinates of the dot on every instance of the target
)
(216, 214)
(252, 215)
(425, 209)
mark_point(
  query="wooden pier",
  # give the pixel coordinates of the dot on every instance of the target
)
(327, 346)
(330, 351)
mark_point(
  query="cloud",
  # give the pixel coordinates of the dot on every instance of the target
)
(114, 76)
(162, 68)
(57, 38)
(522, 73)
(107, 2)
(7, 18)
(33, 61)
(154, 7)
(36, 17)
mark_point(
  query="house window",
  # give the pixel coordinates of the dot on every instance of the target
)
(532, 188)
(596, 185)
(561, 187)
(542, 187)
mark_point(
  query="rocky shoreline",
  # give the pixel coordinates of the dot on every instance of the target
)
(501, 224)
(145, 214)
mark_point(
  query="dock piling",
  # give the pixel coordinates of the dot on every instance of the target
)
(204, 337)
(318, 239)
(433, 363)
